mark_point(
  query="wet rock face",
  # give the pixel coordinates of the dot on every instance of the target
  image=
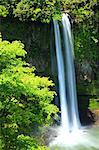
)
(84, 72)
(36, 38)
(87, 117)
(96, 112)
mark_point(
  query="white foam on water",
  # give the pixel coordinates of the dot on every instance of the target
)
(79, 139)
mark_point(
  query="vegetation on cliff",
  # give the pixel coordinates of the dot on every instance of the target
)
(45, 10)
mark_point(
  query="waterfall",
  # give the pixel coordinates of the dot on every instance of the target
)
(67, 87)
(61, 78)
(78, 138)
(70, 72)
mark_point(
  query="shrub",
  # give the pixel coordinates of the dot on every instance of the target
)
(25, 99)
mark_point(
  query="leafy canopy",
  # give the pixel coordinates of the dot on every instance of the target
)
(79, 9)
(45, 10)
(25, 99)
(35, 10)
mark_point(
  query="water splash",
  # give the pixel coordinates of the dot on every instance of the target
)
(82, 139)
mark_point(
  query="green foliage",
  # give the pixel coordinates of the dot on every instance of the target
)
(3, 11)
(86, 44)
(94, 104)
(79, 9)
(28, 143)
(45, 10)
(85, 35)
(25, 99)
(35, 10)
(93, 88)
(89, 89)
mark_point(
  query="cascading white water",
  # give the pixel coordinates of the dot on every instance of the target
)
(69, 109)
(70, 73)
(61, 78)
(77, 139)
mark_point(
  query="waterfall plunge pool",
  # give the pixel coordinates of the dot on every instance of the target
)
(82, 139)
